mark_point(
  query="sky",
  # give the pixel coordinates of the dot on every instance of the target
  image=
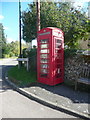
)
(9, 15)
(10, 19)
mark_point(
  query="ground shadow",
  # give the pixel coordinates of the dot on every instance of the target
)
(65, 91)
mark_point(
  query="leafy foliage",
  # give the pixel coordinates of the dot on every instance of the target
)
(2, 41)
(69, 53)
(14, 48)
(74, 23)
(29, 26)
(32, 55)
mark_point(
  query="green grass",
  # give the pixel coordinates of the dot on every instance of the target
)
(21, 77)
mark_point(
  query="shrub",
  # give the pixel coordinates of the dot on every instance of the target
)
(5, 56)
(33, 58)
(32, 55)
(69, 53)
(25, 53)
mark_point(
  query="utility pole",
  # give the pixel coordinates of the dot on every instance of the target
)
(20, 54)
(38, 14)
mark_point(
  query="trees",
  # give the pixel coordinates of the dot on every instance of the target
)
(60, 15)
(13, 48)
(2, 41)
(7, 49)
(29, 23)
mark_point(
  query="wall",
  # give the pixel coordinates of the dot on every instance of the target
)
(84, 44)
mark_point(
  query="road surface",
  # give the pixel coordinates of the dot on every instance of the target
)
(15, 105)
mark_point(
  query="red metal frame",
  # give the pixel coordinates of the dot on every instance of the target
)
(50, 56)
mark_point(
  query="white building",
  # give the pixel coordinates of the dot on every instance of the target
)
(34, 43)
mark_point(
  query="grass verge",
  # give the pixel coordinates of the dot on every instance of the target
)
(21, 77)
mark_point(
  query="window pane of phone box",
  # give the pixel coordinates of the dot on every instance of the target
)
(44, 71)
(44, 56)
(44, 66)
(44, 51)
(44, 60)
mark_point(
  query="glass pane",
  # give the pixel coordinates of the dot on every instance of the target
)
(44, 41)
(58, 41)
(43, 75)
(44, 66)
(58, 51)
(58, 45)
(44, 51)
(44, 60)
(44, 71)
(58, 56)
(44, 45)
(58, 72)
(44, 56)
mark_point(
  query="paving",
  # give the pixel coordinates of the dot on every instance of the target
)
(63, 97)
(59, 97)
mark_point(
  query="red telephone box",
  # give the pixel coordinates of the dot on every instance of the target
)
(50, 56)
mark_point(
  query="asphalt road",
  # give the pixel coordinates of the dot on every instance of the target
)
(15, 105)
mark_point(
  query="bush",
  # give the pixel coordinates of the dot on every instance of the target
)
(33, 58)
(69, 53)
(5, 56)
(11, 54)
(25, 53)
(33, 52)
(32, 55)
